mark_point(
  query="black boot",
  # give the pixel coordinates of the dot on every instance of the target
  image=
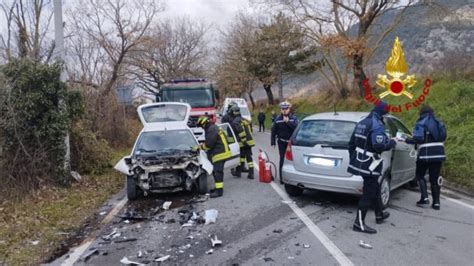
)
(435, 192)
(250, 176)
(380, 218)
(424, 193)
(218, 192)
(237, 172)
(359, 224)
(423, 202)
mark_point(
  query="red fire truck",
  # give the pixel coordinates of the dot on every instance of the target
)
(199, 93)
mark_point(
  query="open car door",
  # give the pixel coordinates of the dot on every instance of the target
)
(164, 114)
(234, 161)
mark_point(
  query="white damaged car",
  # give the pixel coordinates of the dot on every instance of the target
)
(165, 157)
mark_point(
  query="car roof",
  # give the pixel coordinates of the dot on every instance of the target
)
(341, 116)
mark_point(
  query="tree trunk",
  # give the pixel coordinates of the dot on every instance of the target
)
(268, 90)
(359, 74)
(252, 100)
(280, 89)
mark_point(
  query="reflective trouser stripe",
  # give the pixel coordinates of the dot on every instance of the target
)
(242, 134)
(251, 142)
(219, 185)
(431, 144)
(250, 164)
(242, 159)
(432, 156)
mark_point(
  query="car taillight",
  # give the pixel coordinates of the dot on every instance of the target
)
(288, 153)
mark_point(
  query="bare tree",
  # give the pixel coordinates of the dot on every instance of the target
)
(172, 49)
(27, 29)
(331, 26)
(118, 27)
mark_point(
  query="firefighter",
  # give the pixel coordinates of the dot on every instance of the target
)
(227, 117)
(217, 152)
(282, 129)
(244, 129)
(429, 134)
(367, 142)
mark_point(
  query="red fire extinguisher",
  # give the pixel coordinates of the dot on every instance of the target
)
(264, 168)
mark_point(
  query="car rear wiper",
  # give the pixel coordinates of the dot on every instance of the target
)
(335, 146)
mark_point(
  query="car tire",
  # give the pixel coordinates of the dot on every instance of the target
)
(293, 190)
(132, 189)
(385, 190)
(202, 184)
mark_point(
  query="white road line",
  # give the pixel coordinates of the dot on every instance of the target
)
(77, 253)
(327, 243)
(458, 202)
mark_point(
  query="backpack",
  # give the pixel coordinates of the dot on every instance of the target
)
(442, 134)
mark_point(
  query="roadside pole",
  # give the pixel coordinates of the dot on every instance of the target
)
(60, 56)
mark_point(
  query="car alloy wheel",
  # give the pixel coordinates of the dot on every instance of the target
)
(385, 191)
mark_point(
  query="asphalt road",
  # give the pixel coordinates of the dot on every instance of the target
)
(257, 224)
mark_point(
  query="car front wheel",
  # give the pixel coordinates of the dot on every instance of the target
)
(385, 191)
(132, 189)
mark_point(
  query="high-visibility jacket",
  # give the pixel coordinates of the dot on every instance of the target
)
(239, 130)
(248, 132)
(216, 144)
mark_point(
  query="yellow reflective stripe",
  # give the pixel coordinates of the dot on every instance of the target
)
(219, 184)
(242, 160)
(251, 142)
(242, 134)
(221, 156)
(230, 139)
(205, 147)
(250, 164)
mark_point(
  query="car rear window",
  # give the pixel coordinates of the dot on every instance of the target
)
(164, 141)
(329, 132)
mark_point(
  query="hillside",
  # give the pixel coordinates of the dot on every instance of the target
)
(430, 36)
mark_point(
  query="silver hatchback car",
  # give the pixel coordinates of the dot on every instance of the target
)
(317, 156)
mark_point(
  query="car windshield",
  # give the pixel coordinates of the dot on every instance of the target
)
(325, 132)
(244, 111)
(196, 97)
(169, 141)
(164, 113)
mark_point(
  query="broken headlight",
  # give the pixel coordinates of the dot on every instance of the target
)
(138, 170)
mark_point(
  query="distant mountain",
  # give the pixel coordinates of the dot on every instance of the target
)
(427, 33)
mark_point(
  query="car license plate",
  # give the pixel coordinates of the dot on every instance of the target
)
(323, 161)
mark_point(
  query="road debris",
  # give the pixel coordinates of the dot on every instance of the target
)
(162, 259)
(166, 205)
(103, 213)
(291, 258)
(191, 255)
(211, 216)
(364, 245)
(215, 241)
(89, 254)
(278, 231)
(132, 215)
(109, 236)
(126, 261)
(267, 259)
(210, 251)
(125, 240)
(306, 246)
(34, 243)
(140, 254)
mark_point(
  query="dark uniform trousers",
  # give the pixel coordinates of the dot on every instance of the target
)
(371, 195)
(434, 169)
(219, 172)
(282, 149)
(246, 156)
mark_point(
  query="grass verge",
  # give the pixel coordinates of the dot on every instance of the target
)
(33, 227)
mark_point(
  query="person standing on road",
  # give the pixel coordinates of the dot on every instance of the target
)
(282, 129)
(217, 150)
(429, 135)
(367, 143)
(246, 143)
(261, 121)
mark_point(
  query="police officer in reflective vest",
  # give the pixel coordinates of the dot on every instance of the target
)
(282, 129)
(244, 129)
(429, 135)
(217, 152)
(367, 143)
